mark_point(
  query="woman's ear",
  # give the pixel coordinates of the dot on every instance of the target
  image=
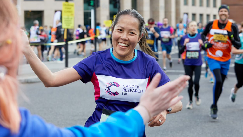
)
(140, 37)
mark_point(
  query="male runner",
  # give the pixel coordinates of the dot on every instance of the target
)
(166, 33)
(222, 35)
(153, 37)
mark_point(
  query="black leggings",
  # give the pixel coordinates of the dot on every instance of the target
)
(239, 74)
(217, 89)
(189, 71)
(179, 48)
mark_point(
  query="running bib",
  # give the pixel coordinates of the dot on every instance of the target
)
(150, 42)
(192, 54)
(165, 39)
(178, 38)
(220, 37)
(105, 114)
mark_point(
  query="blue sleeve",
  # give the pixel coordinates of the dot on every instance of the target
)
(34, 126)
(119, 124)
(154, 68)
(85, 68)
(158, 31)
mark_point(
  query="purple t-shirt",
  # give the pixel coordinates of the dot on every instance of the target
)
(165, 32)
(193, 50)
(118, 84)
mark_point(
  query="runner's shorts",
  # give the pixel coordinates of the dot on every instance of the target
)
(223, 66)
(166, 48)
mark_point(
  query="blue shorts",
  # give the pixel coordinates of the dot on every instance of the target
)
(166, 48)
(223, 66)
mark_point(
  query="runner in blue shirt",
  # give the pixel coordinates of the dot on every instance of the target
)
(153, 37)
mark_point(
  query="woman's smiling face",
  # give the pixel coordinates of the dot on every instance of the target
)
(125, 36)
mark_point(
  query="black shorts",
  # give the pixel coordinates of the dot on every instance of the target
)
(81, 42)
(103, 39)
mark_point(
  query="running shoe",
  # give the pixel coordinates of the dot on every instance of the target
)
(164, 68)
(171, 63)
(189, 105)
(206, 74)
(211, 80)
(213, 112)
(198, 100)
(232, 95)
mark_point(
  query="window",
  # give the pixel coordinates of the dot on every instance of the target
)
(208, 3)
(113, 8)
(208, 18)
(201, 3)
(214, 16)
(193, 3)
(193, 17)
(185, 2)
(30, 16)
(214, 4)
(134, 4)
(201, 18)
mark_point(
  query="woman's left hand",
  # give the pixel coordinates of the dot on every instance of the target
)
(158, 120)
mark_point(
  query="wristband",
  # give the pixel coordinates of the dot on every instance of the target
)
(206, 44)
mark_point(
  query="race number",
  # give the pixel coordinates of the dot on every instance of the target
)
(165, 39)
(192, 54)
(220, 37)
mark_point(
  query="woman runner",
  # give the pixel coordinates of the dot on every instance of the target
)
(238, 67)
(193, 61)
(15, 122)
(120, 74)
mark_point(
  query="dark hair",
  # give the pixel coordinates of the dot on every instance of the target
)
(98, 24)
(150, 20)
(142, 31)
(79, 26)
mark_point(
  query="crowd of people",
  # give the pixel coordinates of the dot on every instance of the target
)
(43, 39)
(144, 93)
(219, 39)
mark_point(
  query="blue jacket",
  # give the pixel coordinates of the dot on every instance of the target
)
(119, 124)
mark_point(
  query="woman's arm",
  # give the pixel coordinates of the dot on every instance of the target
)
(48, 78)
(236, 51)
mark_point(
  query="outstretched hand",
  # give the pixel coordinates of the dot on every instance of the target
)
(157, 99)
(25, 42)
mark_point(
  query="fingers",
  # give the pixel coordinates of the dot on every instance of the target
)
(154, 122)
(174, 85)
(175, 100)
(152, 119)
(155, 82)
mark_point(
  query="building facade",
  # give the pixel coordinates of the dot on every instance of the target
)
(236, 9)
(198, 10)
(44, 10)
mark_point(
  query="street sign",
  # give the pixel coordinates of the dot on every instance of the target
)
(67, 15)
(108, 23)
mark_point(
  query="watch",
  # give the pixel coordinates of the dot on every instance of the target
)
(169, 110)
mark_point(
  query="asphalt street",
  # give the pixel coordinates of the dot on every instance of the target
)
(72, 104)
